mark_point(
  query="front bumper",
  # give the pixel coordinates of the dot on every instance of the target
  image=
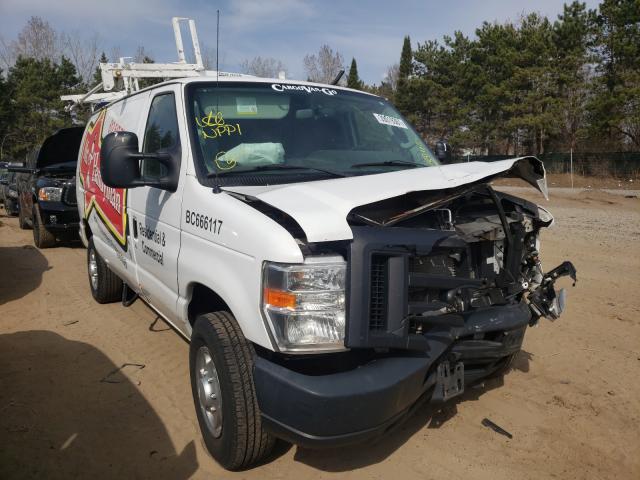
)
(59, 217)
(363, 403)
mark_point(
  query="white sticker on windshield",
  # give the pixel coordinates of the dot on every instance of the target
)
(246, 106)
(387, 120)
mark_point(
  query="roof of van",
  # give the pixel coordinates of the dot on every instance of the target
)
(210, 76)
(237, 77)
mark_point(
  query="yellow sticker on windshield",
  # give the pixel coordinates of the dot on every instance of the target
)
(214, 126)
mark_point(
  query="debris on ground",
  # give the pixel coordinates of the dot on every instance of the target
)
(108, 378)
(496, 428)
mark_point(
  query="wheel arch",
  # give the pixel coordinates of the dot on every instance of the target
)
(84, 229)
(203, 299)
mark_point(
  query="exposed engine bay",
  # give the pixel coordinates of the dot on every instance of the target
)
(490, 255)
(450, 274)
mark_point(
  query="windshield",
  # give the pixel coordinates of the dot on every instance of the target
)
(280, 129)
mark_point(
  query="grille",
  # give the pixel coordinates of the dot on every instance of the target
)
(378, 299)
(69, 195)
(427, 277)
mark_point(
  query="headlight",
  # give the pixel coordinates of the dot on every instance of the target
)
(305, 303)
(13, 193)
(50, 194)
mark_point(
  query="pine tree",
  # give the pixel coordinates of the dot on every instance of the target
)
(573, 33)
(353, 81)
(35, 87)
(403, 95)
(615, 108)
(5, 107)
(406, 60)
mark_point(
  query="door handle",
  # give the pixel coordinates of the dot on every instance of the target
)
(135, 229)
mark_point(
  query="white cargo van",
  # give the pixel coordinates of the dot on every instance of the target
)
(327, 270)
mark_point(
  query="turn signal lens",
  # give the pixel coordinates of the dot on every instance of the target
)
(304, 303)
(50, 194)
(278, 298)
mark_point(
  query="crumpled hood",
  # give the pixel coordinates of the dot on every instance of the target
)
(321, 207)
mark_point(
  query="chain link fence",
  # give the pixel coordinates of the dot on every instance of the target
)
(615, 164)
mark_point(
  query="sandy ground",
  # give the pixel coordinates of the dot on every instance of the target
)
(557, 180)
(572, 401)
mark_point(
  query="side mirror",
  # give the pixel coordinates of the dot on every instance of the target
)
(443, 151)
(120, 163)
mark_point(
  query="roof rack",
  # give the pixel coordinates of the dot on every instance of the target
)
(121, 79)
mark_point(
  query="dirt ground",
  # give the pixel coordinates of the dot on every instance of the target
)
(563, 180)
(572, 400)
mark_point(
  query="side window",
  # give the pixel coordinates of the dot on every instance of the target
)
(161, 132)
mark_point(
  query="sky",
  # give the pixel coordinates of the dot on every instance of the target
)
(371, 31)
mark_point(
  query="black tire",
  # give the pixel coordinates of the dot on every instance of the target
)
(242, 441)
(22, 221)
(42, 237)
(107, 287)
(11, 208)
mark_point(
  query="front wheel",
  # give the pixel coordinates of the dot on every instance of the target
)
(42, 237)
(22, 221)
(221, 365)
(106, 286)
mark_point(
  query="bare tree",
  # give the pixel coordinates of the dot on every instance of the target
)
(115, 54)
(6, 55)
(37, 40)
(391, 77)
(83, 53)
(142, 55)
(267, 67)
(208, 56)
(324, 66)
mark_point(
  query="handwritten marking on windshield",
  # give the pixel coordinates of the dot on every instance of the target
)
(214, 126)
(425, 153)
(224, 163)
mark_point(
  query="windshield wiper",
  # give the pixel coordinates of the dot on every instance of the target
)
(388, 163)
(276, 166)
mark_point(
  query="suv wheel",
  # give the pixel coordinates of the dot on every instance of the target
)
(221, 365)
(106, 286)
(22, 221)
(42, 237)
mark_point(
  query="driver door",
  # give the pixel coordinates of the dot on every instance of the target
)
(155, 213)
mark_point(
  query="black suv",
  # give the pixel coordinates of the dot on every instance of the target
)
(47, 188)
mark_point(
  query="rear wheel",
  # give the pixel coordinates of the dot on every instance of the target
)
(106, 286)
(11, 207)
(221, 364)
(42, 237)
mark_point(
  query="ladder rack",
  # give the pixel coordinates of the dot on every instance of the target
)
(121, 79)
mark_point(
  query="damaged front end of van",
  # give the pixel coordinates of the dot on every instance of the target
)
(439, 287)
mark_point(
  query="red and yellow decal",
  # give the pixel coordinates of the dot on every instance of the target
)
(109, 203)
